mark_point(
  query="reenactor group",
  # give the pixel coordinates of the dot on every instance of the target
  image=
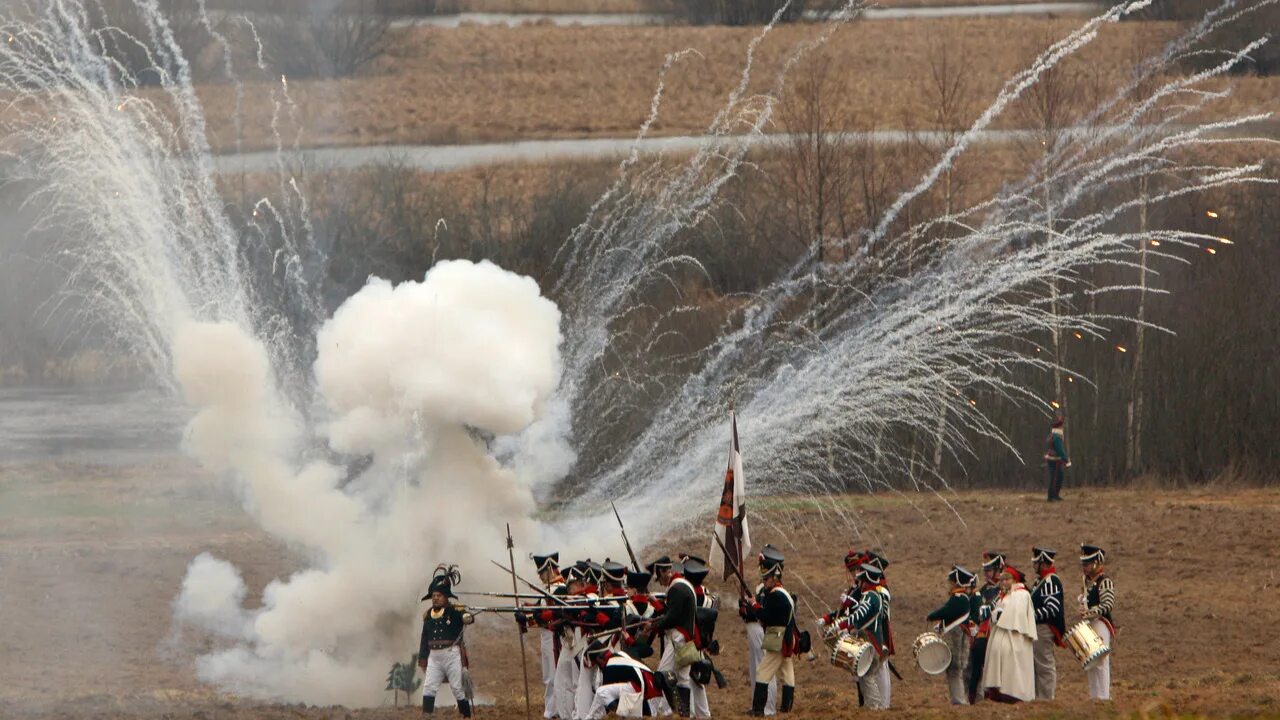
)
(608, 644)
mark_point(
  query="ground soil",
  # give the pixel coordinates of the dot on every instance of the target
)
(1194, 571)
(484, 84)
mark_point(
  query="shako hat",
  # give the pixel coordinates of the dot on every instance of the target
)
(550, 560)
(694, 569)
(1092, 553)
(875, 558)
(992, 560)
(960, 576)
(1044, 555)
(870, 572)
(613, 571)
(662, 563)
(770, 555)
(639, 580)
(594, 571)
(768, 571)
(596, 649)
(576, 571)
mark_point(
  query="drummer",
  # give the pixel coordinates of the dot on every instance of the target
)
(1096, 607)
(870, 619)
(953, 624)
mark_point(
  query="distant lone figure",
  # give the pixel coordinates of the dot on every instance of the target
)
(1055, 457)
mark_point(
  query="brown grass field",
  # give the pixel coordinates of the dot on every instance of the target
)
(485, 84)
(91, 558)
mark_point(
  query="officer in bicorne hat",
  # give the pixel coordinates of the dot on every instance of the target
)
(1046, 601)
(1096, 608)
(769, 558)
(549, 573)
(953, 622)
(440, 650)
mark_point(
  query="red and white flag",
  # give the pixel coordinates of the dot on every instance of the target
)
(731, 518)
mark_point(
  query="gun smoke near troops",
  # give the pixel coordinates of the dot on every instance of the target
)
(292, 414)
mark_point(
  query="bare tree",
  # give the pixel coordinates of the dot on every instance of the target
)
(1048, 109)
(320, 42)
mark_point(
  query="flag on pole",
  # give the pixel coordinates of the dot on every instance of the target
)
(731, 518)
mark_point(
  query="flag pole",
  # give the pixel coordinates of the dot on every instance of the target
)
(524, 660)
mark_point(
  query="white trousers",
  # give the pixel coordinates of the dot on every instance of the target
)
(755, 653)
(585, 691)
(875, 686)
(668, 662)
(566, 682)
(1100, 674)
(1046, 666)
(698, 705)
(548, 656)
(606, 695)
(444, 665)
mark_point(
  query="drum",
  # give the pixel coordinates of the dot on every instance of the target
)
(853, 654)
(931, 652)
(830, 635)
(1086, 644)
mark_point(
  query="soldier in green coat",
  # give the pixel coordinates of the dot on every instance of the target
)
(953, 619)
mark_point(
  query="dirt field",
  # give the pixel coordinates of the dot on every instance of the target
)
(485, 84)
(1194, 570)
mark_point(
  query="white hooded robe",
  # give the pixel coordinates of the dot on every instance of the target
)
(1010, 662)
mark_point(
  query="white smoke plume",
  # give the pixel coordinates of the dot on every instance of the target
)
(414, 375)
(212, 595)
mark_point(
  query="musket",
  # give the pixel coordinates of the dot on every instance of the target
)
(742, 582)
(520, 609)
(540, 591)
(615, 631)
(634, 562)
(567, 599)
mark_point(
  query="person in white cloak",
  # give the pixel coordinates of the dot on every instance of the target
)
(1008, 674)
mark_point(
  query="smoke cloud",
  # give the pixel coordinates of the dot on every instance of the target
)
(419, 376)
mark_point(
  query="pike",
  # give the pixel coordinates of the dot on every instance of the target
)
(634, 562)
(524, 661)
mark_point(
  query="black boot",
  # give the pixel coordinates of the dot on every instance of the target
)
(788, 698)
(464, 708)
(428, 704)
(683, 701)
(759, 696)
